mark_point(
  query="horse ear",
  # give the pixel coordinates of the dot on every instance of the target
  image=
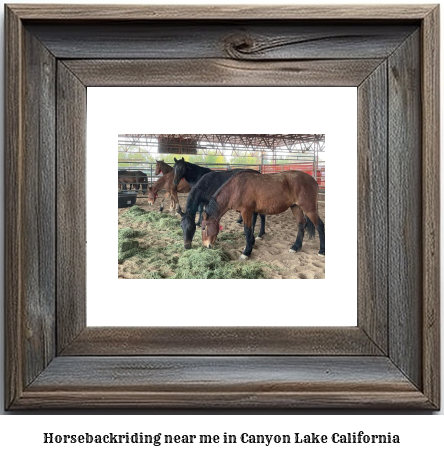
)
(183, 159)
(175, 159)
(204, 215)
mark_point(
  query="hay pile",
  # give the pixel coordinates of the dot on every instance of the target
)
(151, 247)
(127, 246)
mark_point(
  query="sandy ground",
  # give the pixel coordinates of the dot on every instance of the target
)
(280, 234)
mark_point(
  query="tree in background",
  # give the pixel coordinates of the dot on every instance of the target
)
(215, 160)
(133, 155)
(245, 161)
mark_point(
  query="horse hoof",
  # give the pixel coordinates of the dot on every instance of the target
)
(259, 238)
(321, 254)
(243, 257)
(292, 251)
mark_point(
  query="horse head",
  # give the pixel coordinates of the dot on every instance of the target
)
(188, 226)
(179, 168)
(158, 167)
(210, 230)
(152, 195)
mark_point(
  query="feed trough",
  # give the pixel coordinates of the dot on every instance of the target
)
(127, 199)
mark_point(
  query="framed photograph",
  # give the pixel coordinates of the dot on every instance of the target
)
(152, 242)
(389, 359)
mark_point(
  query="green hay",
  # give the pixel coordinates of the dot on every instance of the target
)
(231, 237)
(152, 275)
(202, 263)
(159, 253)
(127, 246)
(128, 233)
(166, 225)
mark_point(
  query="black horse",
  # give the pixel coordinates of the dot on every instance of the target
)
(192, 174)
(201, 194)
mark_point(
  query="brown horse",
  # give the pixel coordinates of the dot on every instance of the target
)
(166, 183)
(267, 194)
(162, 167)
(133, 178)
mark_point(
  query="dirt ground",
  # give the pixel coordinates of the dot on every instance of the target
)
(280, 234)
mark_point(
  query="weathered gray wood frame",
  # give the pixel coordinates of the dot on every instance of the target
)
(390, 360)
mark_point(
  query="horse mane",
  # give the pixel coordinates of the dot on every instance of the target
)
(193, 200)
(163, 166)
(212, 207)
(193, 165)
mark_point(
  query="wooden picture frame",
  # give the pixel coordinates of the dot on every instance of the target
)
(390, 360)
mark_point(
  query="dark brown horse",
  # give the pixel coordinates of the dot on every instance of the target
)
(268, 194)
(166, 183)
(162, 167)
(133, 178)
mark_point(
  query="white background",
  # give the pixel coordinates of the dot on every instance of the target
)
(421, 434)
(328, 302)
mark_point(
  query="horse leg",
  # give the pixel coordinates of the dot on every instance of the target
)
(254, 220)
(239, 220)
(164, 198)
(299, 216)
(175, 201)
(249, 236)
(262, 230)
(319, 224)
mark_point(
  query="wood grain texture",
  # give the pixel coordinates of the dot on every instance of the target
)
(14, 188)
(234, 382)
(266, 40)
(221, 72)
(39, 207)
(246, 401)
(220, 12)
(126, 341)
(405, 208)
(430, 93)
(372, 207)
(71, 206)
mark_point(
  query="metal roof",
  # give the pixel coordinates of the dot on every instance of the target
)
(232, 140)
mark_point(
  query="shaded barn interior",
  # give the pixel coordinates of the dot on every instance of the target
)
(264, 153)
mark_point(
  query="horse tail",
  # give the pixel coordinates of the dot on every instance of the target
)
(310, 228)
